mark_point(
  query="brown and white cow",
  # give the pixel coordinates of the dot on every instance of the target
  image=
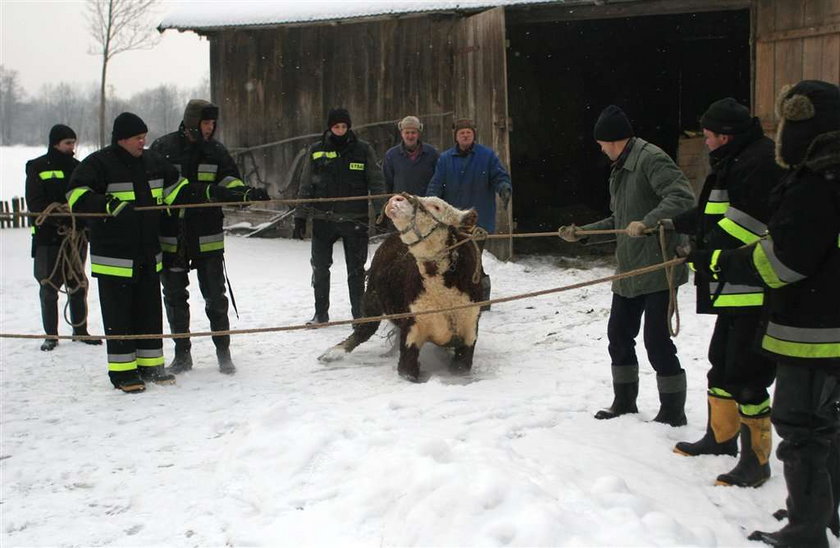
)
(415, 270)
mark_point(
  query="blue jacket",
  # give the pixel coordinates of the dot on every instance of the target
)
(404, 175)
(471, 179)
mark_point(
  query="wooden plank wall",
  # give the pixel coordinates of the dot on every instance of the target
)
(795, 40)
(273, 84)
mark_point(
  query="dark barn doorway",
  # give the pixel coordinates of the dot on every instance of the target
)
(662, 70)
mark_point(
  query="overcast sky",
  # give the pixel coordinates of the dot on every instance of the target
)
(47, 41)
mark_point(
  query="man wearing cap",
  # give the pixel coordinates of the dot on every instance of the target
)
(732, 211)
(470, 175)
(645, 187)
(194, 238)
(46, 183)
(409, 166)
(338, 165)
(798, 262)
(125, 246)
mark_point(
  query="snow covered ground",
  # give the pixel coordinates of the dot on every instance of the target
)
(290, 452)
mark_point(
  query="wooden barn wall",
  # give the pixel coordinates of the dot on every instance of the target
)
(275, 84)
(794, 40)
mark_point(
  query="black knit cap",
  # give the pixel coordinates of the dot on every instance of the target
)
(808, 109)
(338, 115)
(727, 117)
(612, 125)
(127, 125)
(59, 132)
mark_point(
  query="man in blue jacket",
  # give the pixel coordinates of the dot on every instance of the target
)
(409, 166)
(469, 175)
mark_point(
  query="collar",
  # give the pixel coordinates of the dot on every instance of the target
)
(629, 157)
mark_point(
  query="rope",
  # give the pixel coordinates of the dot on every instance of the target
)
(298, 327)
(673, 305)
(69, 263)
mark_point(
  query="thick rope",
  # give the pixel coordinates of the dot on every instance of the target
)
(298, 327)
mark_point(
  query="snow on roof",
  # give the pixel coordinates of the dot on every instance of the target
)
(211, 15)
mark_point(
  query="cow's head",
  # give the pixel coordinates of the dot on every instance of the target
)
(426, 221)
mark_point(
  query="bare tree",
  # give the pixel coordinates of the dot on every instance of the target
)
(10, 96)
(117, 26)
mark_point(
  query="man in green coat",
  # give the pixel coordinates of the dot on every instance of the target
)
(645, 186)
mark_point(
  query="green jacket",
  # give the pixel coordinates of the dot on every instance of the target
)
(647, 186)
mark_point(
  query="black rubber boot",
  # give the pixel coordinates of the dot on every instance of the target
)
(81, 331)
(319, 317)
(753, 468)
(49, 345)
(625, 389)
(156, 374)
(671, 400)
(127, 381)
(722, 429)
(182, 361)
(225, 362)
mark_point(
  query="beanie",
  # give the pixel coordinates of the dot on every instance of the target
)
(59, 132)
(338, 115)
(727, 117)
(612, 125)
(410, 122)
(806, 110)
(127, 125)
(198, 110)
(463, 123)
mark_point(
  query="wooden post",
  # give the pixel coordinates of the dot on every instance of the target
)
(15, 209)
(4, 208)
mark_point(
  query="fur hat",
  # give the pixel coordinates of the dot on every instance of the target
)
(612, 125)
(338, 115)
(410, 122)
(196, 111)
(59, 132)
(805, 111)
(127, 125)
(464, 123)
(727, 117)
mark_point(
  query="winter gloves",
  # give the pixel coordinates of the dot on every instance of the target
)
(299, 231)
(114, 206)
(218, 193)
(256, 195)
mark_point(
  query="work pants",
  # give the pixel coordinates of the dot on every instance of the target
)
(46, 257)
(738, 366)
(354, 237)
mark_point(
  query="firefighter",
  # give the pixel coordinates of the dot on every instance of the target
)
(125, 246)
(194, 238)
(799, 262)
(46, 183)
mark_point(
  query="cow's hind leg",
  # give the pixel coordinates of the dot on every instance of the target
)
(462, 362)
(409, 364)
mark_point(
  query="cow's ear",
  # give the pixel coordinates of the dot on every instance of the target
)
(469, 220)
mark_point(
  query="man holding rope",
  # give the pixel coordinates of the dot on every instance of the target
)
(645, 187)
(46, 183)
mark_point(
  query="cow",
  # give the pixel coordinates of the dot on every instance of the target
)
(416, 269)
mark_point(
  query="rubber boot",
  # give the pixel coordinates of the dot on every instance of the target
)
(485, 291)
(319, 317)
(625, 389)
(225, 362)
(156, 374)
(49, 345)
(182, 361)
(722, 429)
(671, 400)
(753, 468)
(127, 381)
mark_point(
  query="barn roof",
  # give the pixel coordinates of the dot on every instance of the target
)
(209, 16)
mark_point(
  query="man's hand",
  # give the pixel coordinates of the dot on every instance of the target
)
(700, 261)
(299, 231)
(114, 206)
(218, 193)
(568, 233)
(504, 194)
(636, 229)
(256, 195)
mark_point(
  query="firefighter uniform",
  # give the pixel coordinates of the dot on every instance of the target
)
(799, 261)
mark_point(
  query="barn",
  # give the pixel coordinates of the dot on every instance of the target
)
(533, 74)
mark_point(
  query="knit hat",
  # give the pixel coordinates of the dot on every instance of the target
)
(59, 132)
(198, 110)
(612, 125)
(727, 117)
(463, 123)
(806, 110)
(127, 125)
(338, 115)
(410, 122)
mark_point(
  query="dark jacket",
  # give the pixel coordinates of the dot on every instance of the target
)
(119, 244)
(332, 172)
(402, 174)
(646, 185)
(471, 179)
(187, 234)
(800, 259)
(732, 211)
(47, 178)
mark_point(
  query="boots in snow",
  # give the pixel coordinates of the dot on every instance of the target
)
(722, 429)
(49, 345)
(671, 400)
(127, 381)
(156, 374)
(625, 389)
(753, 468)
(82, 332)
(182, 361)
(319, 317)
(225, 362)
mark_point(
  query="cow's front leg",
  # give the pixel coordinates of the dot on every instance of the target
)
(409, 365)
(462, 362)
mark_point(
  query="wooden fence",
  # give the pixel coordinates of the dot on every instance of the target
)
(15, 205)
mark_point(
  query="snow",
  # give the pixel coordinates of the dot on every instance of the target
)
(208, 15)
(290, 452)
